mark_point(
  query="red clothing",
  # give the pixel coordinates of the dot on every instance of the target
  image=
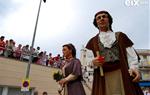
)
(2, 45)
(17, 52)
(51, 61)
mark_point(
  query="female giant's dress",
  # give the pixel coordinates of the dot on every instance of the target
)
(74, 87)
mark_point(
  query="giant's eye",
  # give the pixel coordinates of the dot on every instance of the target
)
(101, 16)
(104, 16)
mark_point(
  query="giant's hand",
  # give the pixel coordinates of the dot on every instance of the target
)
(62, 82)
(135, 74)
(97, 62)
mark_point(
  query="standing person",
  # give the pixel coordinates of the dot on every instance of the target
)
(2, 45)
(44, 93)
(72, 72)
(120, 65)
(35, 93)
(9, 48)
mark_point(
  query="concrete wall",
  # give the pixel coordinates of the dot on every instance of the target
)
(12, 72)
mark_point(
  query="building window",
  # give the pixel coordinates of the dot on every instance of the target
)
(1, 89)
(17, 91)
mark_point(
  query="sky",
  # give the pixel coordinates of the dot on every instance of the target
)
(71, 21)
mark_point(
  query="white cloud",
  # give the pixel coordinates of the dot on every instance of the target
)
(64, 21)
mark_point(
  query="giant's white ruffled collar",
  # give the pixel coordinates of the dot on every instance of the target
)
(107, 38)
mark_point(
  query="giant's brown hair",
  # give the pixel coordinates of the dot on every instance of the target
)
(72, 48)
(109, 17)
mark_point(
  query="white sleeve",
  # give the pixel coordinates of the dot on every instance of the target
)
(89, 58)
(71, 77)
(132, 58)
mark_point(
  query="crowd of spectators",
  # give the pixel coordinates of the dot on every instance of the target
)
(9, 49)
(146, 91)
